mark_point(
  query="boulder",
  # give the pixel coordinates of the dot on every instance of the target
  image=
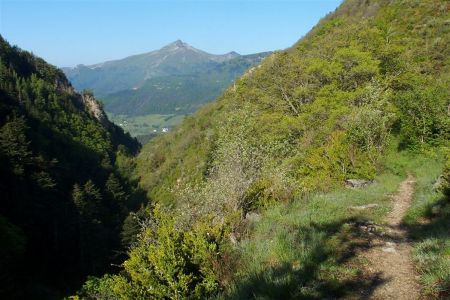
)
(438, 183)
(357, 183)
(363, 207)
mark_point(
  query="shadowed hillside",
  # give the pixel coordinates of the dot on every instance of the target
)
(64, 186)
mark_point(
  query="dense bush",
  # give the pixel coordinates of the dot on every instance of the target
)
(168, 262)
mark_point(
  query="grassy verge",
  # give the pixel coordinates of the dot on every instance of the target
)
(429, 222)
(307, 249)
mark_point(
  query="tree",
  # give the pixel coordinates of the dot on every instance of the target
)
(424, 116)
(115, 192)
(87, 199)
(14, 144)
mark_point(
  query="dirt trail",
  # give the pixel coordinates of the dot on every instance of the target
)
(389, 256)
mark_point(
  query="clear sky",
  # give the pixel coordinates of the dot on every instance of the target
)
(70, 32)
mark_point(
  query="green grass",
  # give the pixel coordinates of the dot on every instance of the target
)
(307, 249)
(429, 222)
(147, 124)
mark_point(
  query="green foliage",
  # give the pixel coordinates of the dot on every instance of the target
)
(446, 176)
(329, 105)
(109, 287)
(424, 114)
(176, 79)
(57, 156)
(305, 249)
(303, 121)
(146, 124)
(169, 95)
(280, 142)
(167, 263)
(369, 125)
(131, 228)
(87, 199)
(117, 195)
(14, 145)
(354, 67)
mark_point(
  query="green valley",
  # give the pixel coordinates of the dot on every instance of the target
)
(247, 196)
(175, 80)
(319, 172)
(141, 126)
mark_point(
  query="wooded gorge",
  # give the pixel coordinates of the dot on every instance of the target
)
(245, 199)
(64, 185)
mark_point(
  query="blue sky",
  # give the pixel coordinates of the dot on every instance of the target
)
(70, 32)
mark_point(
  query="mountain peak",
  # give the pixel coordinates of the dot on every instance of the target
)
(178, 44)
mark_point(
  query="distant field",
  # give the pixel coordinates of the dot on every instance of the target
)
(148, 124)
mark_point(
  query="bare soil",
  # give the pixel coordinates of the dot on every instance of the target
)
(388, 256)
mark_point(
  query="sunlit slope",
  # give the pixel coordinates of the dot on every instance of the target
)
(321, 111)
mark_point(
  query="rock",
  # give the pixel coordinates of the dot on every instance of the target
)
(363, 207)
(233, 238)
(366, 226)
(252, 217)
(438, 182)
(389, 250)
(94, 108)
(357, 183)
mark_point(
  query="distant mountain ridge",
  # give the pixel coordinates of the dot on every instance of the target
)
(153, 82)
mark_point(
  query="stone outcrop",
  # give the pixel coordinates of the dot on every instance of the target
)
(358, 183)
(94, 108)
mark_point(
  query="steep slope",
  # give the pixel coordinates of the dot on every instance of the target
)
(63, 195)
(323, 110)
(152, 82)
(291, 129)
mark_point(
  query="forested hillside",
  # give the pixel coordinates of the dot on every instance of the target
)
(246, 195)
(64, 187)
(180, 94)
(323, 110)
